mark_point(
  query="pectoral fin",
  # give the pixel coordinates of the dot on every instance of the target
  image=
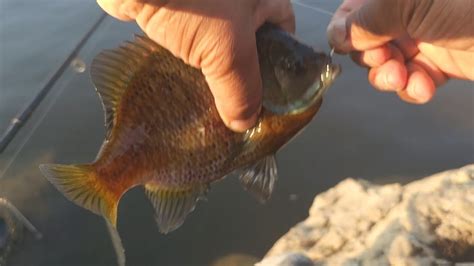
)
(260, 178)
(171, 205)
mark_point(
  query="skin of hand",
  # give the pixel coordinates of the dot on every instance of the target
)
(410, 46)
(216, 36)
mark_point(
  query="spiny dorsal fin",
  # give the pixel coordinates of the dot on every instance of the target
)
(172, 206)
(112, 70)
(260, 178)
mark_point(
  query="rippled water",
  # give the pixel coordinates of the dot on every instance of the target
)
(359, 132)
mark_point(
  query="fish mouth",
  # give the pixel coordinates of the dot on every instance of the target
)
(319, 87)
(313, 93)
(335, 70)
(330, 74)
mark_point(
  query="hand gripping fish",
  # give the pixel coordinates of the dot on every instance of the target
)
(163, 131)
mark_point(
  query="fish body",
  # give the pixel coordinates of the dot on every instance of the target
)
(164, 131)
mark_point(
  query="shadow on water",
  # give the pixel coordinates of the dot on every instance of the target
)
(358, 132)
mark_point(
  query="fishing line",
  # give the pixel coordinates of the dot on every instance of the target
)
(33, 130)
(317, 9)
(114, 236)
(19, 120)
(116, 244)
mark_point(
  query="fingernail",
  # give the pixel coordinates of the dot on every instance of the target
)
(337, 32)
(242, 125)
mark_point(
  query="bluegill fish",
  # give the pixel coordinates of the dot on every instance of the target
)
(163, 131)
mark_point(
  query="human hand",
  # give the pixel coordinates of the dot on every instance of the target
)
(410, 47)
(216, 36)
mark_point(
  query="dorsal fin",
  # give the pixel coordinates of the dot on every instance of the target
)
(112, 70)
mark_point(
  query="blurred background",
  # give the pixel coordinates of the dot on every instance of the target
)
(358, 132)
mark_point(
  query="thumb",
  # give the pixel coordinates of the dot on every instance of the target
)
(121, 9)
(233, 74)
(362, 25)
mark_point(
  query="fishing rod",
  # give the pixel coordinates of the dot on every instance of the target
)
(20, 119)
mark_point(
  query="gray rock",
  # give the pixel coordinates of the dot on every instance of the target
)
(3, 233)
(426, 222)
(12, 225)
(287, 259)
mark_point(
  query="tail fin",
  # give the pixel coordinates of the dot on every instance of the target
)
(80, 185)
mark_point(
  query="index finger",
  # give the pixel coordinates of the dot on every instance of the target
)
(121, 9)
(278, 12)
(337, 29)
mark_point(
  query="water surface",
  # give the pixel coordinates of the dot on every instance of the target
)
(358, 132)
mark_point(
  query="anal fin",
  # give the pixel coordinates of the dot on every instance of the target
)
(259, 179)
(172, 206)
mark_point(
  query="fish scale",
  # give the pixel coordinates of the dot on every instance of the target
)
(163, 131)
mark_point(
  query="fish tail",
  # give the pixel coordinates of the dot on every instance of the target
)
(79, 183)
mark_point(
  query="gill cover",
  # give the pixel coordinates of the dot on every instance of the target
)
(291, 71)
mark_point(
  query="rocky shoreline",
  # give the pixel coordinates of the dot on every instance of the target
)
(426, 222)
